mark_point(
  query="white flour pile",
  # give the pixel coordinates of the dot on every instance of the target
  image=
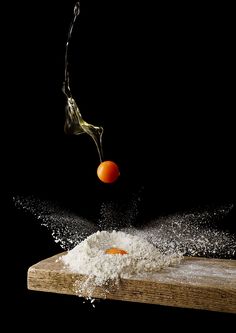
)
(90, 258)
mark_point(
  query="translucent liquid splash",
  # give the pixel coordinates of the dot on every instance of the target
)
(75, 124)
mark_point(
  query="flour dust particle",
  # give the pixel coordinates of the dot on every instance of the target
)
(199, 232)
(67, 228)
(195, 233)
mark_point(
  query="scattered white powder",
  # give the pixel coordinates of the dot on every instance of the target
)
(197, 232)
(89, 258)
(201, 232)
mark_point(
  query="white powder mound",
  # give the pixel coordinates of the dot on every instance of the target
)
(89, 257)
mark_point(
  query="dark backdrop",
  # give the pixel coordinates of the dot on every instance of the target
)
(160, 82)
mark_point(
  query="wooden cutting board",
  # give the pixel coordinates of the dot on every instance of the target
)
(197, 283)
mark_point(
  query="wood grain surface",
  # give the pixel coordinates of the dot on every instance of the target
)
(197, 283)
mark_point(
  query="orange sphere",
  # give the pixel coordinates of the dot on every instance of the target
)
(115, 250)
(108, 172)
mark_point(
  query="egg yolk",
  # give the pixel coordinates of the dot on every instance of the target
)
(108, 172)
(115, 250)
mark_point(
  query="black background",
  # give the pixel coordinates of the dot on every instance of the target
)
(160, 82)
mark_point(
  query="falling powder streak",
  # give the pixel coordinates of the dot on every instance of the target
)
(75, 124)
(192, 233)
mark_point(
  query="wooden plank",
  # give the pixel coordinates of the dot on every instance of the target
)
(198, 283)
